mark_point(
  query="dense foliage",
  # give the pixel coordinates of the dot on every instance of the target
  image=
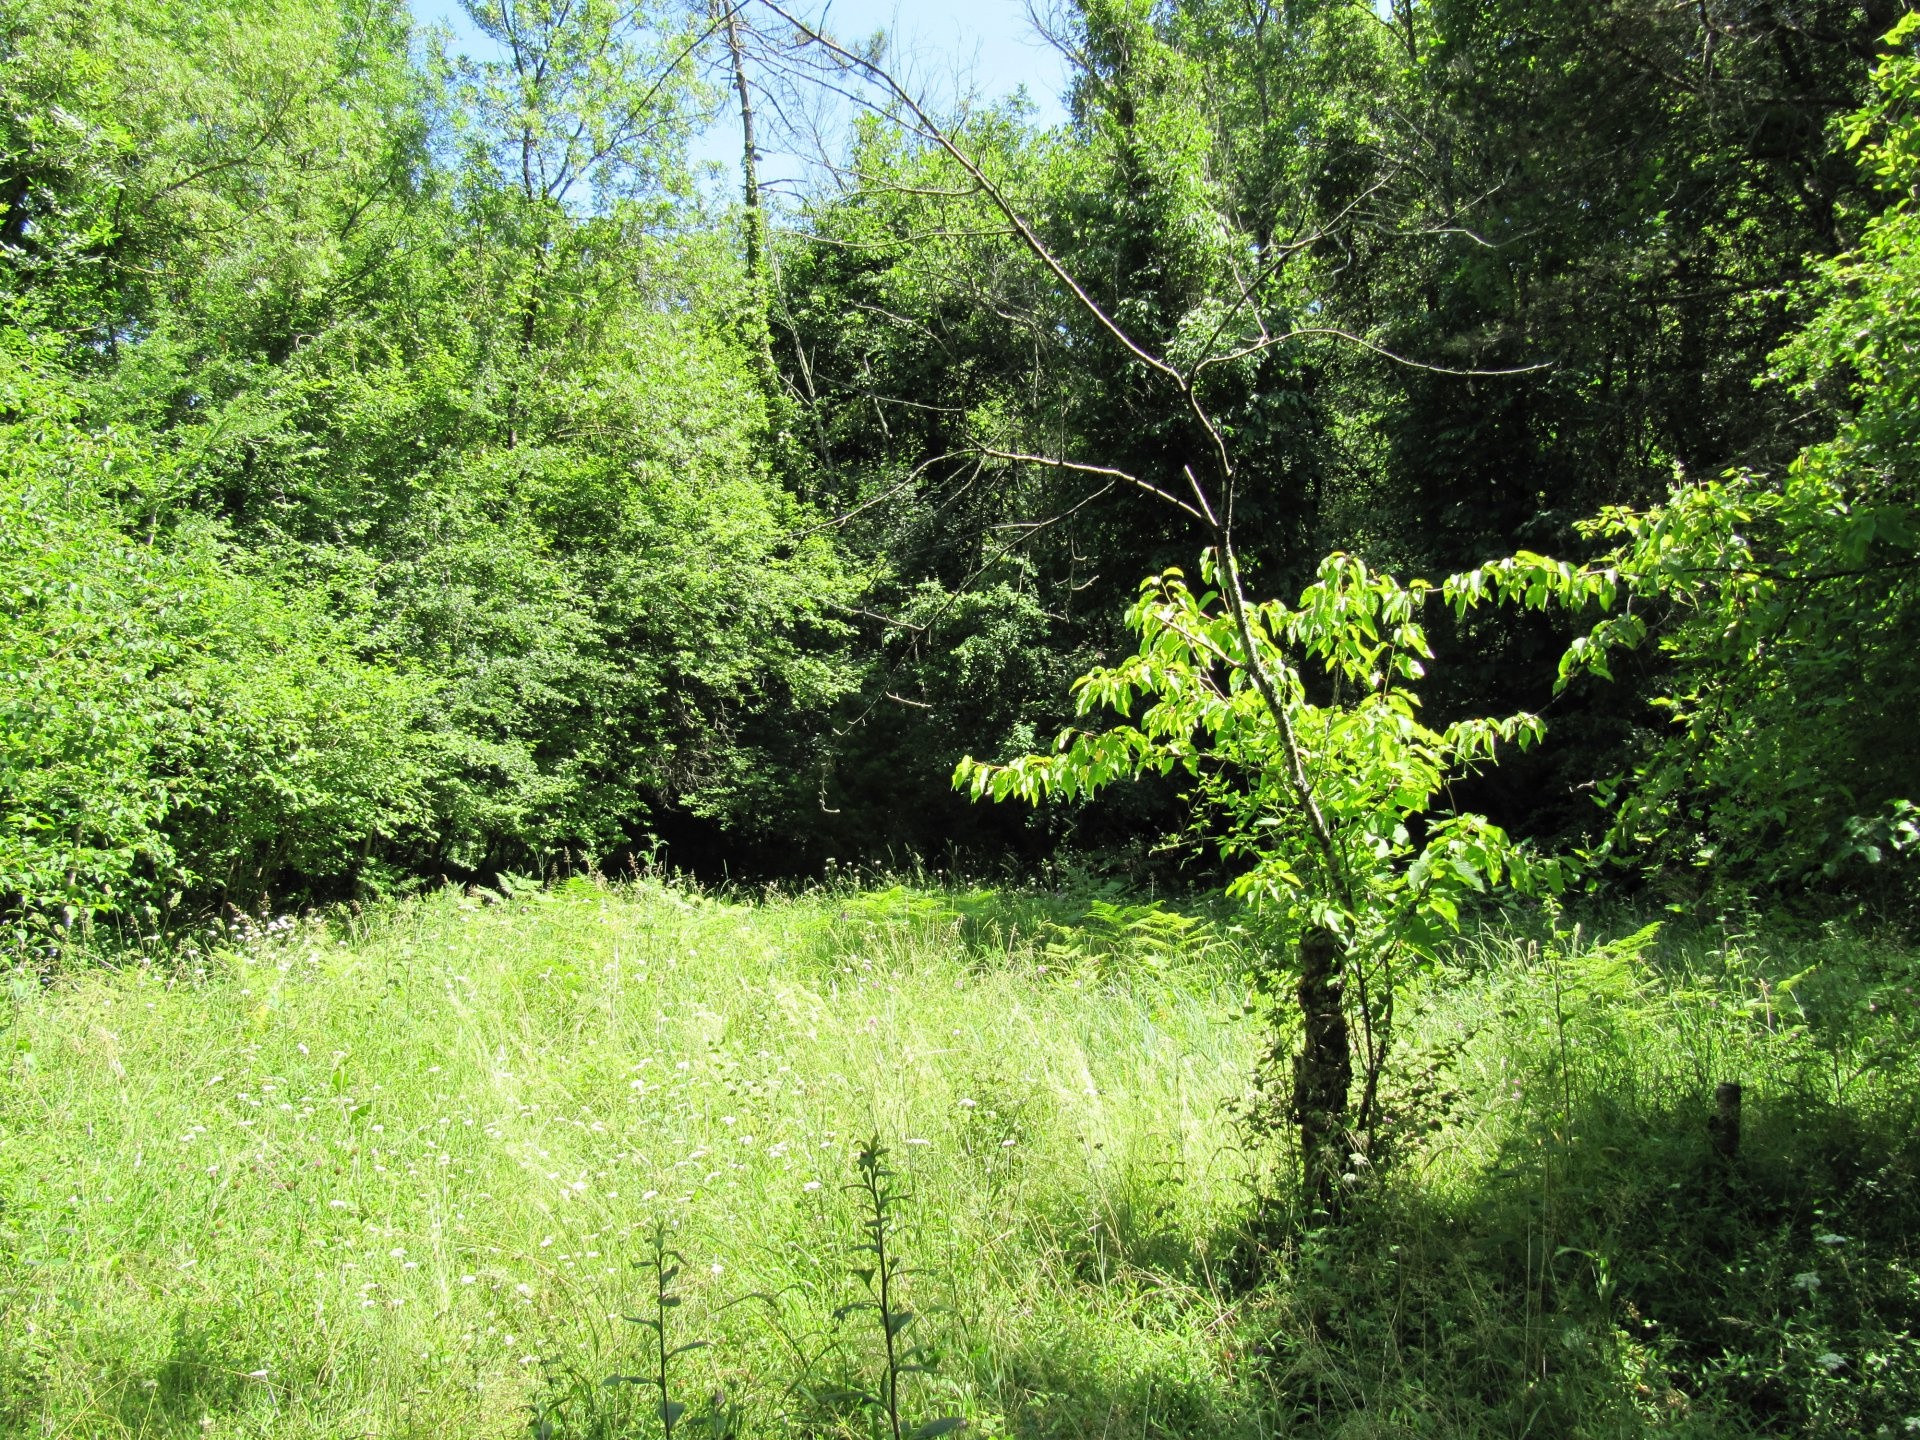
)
(374, 508)
(410, 472)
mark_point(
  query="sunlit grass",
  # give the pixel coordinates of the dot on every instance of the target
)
(386, 1185)
(393, 1177)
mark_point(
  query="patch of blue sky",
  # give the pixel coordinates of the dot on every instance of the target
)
(945, 48)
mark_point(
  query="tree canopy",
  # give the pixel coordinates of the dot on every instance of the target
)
(414, 469)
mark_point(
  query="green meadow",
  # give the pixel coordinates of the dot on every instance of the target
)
(402, 1173)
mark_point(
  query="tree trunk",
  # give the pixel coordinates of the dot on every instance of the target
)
(756, 238)
(749, 158)
(1322, 1072)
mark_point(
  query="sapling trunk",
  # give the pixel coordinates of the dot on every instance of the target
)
(1323, 1070)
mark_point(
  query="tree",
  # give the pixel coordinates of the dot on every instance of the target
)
(1325, 809)
(175, 722)
(1786, 603)
(1598, 213)
(477, 450)
(1335, 785)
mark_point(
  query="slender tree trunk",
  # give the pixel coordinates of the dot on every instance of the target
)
(749, 158)
(1323, 1071)
(756, 218)
(530, 302)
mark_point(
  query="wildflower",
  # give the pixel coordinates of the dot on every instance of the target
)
(1807, 1280)
(1831, 1362)
(466, 1279)
(811, 1185)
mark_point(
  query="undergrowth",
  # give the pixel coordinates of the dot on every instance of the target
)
(452, 1166)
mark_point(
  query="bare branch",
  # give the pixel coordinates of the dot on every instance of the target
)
(892, 490)
(1106, 470)
(938, 134)
(1336, 333)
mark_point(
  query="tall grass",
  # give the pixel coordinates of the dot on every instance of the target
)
(405, 1174)
(394, 1182)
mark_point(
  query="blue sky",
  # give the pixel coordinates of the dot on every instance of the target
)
(988, 44)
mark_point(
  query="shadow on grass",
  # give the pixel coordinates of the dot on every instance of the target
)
(1058, 1389)
(1608, 1274)
(1085, 931)
(204, 1372)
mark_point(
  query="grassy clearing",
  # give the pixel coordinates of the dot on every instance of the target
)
(397, 1180)
(387, 1185)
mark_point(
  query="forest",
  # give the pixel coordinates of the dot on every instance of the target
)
(1268, 736)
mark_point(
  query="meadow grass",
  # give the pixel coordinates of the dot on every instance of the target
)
(395, 1183)
(401, 1175)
